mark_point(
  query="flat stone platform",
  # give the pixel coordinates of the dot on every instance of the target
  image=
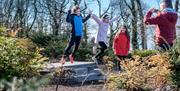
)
(83, 71)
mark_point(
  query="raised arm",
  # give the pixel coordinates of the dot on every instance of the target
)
(69, 17)
(159, 19)
(95, 18)
(114, 19)
(86, 18)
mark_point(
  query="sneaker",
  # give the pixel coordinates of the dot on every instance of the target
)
(62, 60)
(71, 58)
(95, 60)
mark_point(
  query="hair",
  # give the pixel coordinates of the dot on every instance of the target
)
(168, 3)
(127, 33)
(105, 16)
(75, 8)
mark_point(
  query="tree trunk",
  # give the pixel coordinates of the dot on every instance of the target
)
(143, 32)
(134, 21)
(177, 5)
(134, 26)
(20, 17)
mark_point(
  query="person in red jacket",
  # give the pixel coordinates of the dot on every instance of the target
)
(121, 44)
(165, 22)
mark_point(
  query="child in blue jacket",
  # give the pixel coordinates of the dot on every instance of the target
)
(76, 21)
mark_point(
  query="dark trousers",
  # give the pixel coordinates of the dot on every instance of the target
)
(73, 40)
(119, 62)
(103, 47)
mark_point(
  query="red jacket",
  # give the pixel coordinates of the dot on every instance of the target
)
(121, 44)
(166, 25)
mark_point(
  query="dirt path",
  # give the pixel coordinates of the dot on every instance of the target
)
(78, 87)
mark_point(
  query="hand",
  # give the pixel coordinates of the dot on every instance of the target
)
(70, 7)
(153, 10)
(90, 12)
(69, 11)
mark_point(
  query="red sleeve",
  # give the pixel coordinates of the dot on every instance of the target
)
(128, 44)
(159, 19)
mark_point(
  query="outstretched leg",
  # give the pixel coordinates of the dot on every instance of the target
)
(77, 43)
(102, 49)
(99, 55)
(66, 52)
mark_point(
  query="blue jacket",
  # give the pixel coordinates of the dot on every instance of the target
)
(77, 23)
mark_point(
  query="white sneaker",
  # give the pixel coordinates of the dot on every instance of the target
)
(95, 60)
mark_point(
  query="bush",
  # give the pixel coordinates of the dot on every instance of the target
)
(83, 54)
(2, 31)
(144, 53)
(18, 61)
(175, 61)
(110, 53)
(148, 73)
(32, 84)
(26, 44)
(55, 48)
(53, 45)
(41, 39)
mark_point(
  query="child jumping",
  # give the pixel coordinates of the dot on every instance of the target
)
(121, 44)
(76, 21)
(101, 37)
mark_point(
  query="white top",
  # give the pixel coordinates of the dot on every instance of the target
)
(102, 29)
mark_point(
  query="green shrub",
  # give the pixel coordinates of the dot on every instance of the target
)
(18, 61)
(144, 53)
(2, 30)
(27, 44)
(41, 39)
(55, 48)
(32, 84)
(141, 74)
(175, 61)
(53, 45)
(83, 54)
(110, 53)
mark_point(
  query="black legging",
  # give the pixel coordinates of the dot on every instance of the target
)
(102, 49)
(121, 57)
(73, 39)
(119, 62)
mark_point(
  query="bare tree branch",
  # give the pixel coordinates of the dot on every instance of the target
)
(128, 5)
(85, 4)
(106, 10)
(35, 16)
